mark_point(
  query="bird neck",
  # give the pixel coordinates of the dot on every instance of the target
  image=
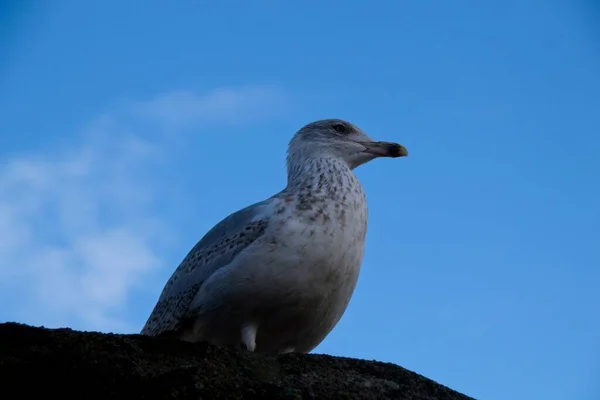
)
(318, 173)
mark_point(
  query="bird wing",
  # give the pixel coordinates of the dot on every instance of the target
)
(215, 250)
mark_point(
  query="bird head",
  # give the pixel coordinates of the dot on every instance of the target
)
(342, 140)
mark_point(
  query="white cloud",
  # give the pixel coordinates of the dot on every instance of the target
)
(80, 228)
(182, 108)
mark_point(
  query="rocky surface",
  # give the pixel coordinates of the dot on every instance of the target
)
(64, 363)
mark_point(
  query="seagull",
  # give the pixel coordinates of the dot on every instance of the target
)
(277, 276)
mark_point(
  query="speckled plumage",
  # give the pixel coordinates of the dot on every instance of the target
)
(277, 275)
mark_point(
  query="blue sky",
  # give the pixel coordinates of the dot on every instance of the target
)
(126, 132)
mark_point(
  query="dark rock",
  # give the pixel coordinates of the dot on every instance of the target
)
(64, 363)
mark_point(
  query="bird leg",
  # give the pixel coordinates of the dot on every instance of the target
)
(249, 336)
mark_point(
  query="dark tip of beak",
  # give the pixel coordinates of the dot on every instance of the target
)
(385, 149)
(397, 150)
(388, 149)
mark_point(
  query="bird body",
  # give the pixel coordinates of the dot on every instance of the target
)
(278, 275)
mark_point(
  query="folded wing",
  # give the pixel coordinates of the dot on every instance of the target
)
(215, 250)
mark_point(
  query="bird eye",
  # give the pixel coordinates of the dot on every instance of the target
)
(340, 128)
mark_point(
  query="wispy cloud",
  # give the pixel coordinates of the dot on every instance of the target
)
(241, 105)
(80, 226)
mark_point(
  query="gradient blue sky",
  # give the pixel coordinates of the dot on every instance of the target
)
(128, 130)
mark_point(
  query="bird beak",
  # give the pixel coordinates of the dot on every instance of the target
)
(385, 149)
